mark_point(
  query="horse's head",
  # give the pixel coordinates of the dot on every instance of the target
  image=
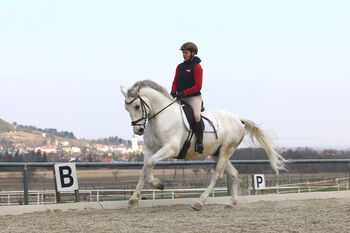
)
(137, 108)
(142, 99)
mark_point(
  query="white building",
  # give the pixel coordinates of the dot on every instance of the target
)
(134, 145)
(76, 149)
(64, 143)
(101, 147)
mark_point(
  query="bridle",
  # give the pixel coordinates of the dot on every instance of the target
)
(145, 117)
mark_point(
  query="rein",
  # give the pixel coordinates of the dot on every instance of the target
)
(144, 111)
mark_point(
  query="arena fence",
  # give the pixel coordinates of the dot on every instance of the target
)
(166, 165)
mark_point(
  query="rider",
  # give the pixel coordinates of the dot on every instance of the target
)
(187, 85)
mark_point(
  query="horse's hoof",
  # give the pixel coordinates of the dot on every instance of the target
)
(161, 186)
(133, 203)
(234, 202)
(197, 206)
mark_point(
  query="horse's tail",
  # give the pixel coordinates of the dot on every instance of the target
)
(261, 139)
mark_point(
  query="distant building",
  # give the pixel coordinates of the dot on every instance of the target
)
(64, 143)
(101, 147)
(75, 149)
(67, 149)
(107, 160)
(134, 145)
(47, 149)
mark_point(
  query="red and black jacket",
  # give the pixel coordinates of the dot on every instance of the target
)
(188, 78)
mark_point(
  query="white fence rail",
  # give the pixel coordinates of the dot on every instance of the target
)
(41, 197)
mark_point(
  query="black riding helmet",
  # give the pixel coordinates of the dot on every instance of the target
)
(190, 46)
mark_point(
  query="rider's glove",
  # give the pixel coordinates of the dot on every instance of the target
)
(173, 94)
(180, 95)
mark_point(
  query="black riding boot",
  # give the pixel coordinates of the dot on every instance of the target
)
(198, 130)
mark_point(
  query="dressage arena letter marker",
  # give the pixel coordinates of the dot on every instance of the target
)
(259, 181)
(66, 176)
(66, 179)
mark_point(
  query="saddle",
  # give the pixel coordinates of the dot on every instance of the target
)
(210, 125)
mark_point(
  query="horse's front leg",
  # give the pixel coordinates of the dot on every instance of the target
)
(147, 172)
(166, 152)
(136, 195)
(146, 176)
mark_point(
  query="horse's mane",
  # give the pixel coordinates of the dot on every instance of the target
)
(133, 91)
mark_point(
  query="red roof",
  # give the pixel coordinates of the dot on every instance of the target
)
(48, 147)
(100, 145)
(107, 160)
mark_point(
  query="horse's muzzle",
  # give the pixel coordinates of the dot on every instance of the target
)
(139, 130)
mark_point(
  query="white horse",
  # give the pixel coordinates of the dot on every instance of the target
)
(156, 115)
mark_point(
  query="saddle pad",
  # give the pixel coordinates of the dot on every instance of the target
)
(207, 126)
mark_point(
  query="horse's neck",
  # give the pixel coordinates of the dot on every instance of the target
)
(157, 102)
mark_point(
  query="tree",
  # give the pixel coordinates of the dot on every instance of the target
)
(44, 158)
(37, 156)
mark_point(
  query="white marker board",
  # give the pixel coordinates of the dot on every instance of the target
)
(66, 177)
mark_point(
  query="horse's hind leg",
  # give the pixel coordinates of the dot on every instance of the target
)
(219, 170)
(233, 173)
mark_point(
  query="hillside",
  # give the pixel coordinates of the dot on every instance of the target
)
(5, 126)
(32, 136)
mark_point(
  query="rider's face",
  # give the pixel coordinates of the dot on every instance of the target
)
(187, 54)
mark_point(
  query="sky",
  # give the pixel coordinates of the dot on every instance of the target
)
(282, 64)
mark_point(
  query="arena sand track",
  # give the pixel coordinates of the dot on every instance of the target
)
(328, 215)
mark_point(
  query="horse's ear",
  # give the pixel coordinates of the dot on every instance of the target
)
(138, 89)
(124, 91)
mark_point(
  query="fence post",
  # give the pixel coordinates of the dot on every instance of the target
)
(25, 184)
(76, 196)
(58, 195)
(349, 177)
(249, 185)
(336, 180)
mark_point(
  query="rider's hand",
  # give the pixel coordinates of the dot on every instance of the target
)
(173, 94)
(180, 95)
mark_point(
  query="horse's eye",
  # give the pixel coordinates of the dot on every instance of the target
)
(137, 106)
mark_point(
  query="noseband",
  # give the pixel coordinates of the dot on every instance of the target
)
(144, 111)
